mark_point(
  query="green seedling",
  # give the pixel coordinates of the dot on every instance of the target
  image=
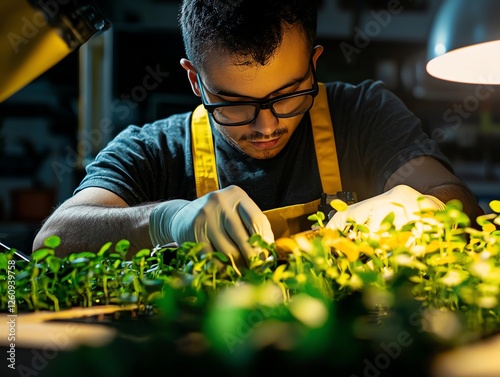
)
(444, 263)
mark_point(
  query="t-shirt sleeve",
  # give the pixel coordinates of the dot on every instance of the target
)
(139, 165)
(121, 165)
(376, 134)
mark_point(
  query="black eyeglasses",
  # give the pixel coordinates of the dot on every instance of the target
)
(239, 113)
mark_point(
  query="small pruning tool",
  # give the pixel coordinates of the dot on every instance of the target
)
(16, 252)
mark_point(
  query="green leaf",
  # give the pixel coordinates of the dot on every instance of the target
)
(80, 261)
(52, 241)
(454, 204)
(484, 219)
(22, 275)
(85, 254)
(122, 246)
(126, 298)
(137, 285)
(377, 262)
(368, 277)
(128, 278)
(4, 262)
(142, 253)
(39, 254)
(152, 282)
(256, 240)
(389, 218)
(44, 280)
(54, 263)
(221, 256)
(318, 217)
(104, 251)
(362, 228)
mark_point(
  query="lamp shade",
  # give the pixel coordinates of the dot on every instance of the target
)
(36, 35)
(464, 42)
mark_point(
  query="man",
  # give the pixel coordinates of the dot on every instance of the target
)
(258, 154)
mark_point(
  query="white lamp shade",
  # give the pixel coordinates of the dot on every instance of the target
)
(464, 44)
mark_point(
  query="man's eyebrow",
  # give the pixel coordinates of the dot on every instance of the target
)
(226, 93)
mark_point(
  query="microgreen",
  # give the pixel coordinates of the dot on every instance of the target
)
(444, 262)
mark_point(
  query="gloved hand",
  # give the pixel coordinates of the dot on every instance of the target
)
(223, 220)
(402, 200)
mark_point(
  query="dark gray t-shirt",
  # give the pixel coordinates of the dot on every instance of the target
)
(375, 134)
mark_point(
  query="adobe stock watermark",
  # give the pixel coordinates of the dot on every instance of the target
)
(12, 316)
(40, 357)
(389, 352)
(139, 93)
(31, 27)
(232, 3)
(246, 327)
(122, 108)
(408, 164)
(420, 321)
(453, 117)
(363, 37)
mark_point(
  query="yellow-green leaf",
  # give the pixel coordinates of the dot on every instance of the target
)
(52, 242)
(495, 205)
(339, 205)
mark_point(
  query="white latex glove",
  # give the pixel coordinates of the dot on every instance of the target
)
(402, 200)
(222, 220)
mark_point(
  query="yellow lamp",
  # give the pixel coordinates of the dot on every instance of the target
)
(36, 35)
(464, 43)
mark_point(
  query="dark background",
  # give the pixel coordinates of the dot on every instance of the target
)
(45, 141)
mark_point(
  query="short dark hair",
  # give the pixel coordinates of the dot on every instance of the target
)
(249, 29)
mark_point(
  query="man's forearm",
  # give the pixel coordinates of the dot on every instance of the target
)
(447, 192)
(87, 227)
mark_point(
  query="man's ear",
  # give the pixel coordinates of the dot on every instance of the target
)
(191, 73)
(318, 50)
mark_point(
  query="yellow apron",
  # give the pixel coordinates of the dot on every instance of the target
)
(289, 220)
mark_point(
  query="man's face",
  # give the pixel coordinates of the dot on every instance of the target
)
(288, 71)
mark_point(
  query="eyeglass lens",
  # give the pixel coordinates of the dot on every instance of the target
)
(285, 108)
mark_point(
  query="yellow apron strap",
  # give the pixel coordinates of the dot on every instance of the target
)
(324, 142)
(202, 148)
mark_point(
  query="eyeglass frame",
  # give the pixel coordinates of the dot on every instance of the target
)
(259, 104)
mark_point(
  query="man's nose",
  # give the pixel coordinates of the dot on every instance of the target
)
(266, 122)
